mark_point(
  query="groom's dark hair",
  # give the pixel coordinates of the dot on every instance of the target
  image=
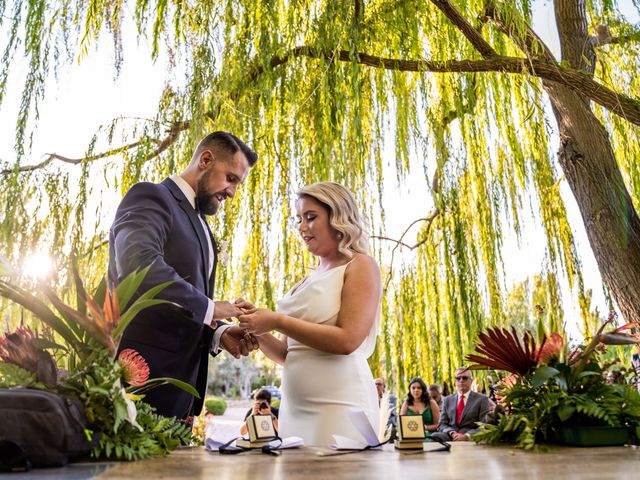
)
(226, 143)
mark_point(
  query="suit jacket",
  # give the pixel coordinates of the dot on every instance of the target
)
(475, 410)
(156, 225)
(393, 406)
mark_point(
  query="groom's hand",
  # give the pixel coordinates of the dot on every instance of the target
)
(237, 341)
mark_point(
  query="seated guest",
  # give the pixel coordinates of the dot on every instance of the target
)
(381, 386)
(492, 389)
(635, 366)
(261, 406)
(445, 390)
(419, 403)
(461, 412)
(436, 394)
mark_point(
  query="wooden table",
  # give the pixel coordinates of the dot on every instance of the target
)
(465, 461)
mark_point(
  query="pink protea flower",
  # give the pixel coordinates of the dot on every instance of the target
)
(134, 367)
(552, 347)
(17, 348)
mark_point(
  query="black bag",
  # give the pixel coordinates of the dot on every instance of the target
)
(48, 428)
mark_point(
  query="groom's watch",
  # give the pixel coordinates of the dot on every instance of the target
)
(451, 433)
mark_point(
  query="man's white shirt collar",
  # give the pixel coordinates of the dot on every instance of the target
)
(185, 188)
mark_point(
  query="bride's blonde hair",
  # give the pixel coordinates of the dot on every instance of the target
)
(344, 215)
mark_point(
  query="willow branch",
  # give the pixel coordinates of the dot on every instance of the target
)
(94, 248)
(526, 38)
(172, 135)
(580, 82)
(73, 161)
(170, 138)
(468, 30)
(468, 107)
(358, 8)
(625, 106)
(399, 243)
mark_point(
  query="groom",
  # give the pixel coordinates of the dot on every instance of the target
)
(163, 226)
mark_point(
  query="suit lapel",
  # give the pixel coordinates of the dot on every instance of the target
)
(214, 246)
(195, 223)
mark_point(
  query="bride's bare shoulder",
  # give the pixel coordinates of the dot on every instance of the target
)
(362, 263)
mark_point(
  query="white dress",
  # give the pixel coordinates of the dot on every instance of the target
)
(319, 388)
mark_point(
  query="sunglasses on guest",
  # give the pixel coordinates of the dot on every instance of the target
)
(462, 378)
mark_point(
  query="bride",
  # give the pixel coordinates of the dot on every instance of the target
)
(329, 321)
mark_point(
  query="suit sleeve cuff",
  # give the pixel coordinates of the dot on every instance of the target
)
(217, 335)
(208, 316)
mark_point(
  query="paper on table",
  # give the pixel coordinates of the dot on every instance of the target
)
(360, 421)
(289, 442)
(362, 424)
(213, 445)
(345, 443)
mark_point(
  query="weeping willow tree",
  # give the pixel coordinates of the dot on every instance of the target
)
(464, 92)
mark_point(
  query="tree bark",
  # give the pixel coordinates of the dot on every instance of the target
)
(590, 167)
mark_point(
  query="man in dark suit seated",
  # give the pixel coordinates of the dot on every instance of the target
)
(461, 412)
(163, 226)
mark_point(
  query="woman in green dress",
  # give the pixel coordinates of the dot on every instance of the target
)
(419, 403)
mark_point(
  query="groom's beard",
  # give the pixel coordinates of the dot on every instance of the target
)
(206, 200)
(207, 203)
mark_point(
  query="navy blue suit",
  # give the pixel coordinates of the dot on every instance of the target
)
(156, 225)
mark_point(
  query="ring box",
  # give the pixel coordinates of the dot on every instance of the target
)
(261, 431)
(410, 432)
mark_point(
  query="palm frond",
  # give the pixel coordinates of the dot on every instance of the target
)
(501, 349)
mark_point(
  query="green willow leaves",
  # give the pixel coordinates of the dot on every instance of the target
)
(301, 81)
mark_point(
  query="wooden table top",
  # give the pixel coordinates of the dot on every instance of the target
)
(464, 461)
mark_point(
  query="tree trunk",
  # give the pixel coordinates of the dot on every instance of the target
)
(590, 167)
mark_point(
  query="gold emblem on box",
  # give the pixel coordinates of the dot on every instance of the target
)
(410, 432)
(411, 427)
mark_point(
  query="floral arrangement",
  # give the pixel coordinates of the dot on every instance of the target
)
(74, 354)
(551, 386)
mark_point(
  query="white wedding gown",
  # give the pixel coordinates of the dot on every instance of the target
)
(319, 388)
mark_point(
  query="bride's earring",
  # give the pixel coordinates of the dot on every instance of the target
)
(339, 236)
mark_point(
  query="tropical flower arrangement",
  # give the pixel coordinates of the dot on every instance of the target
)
(550, 386)
(74, 354)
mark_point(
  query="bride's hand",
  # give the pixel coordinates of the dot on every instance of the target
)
(245, 306)
(260, 322)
